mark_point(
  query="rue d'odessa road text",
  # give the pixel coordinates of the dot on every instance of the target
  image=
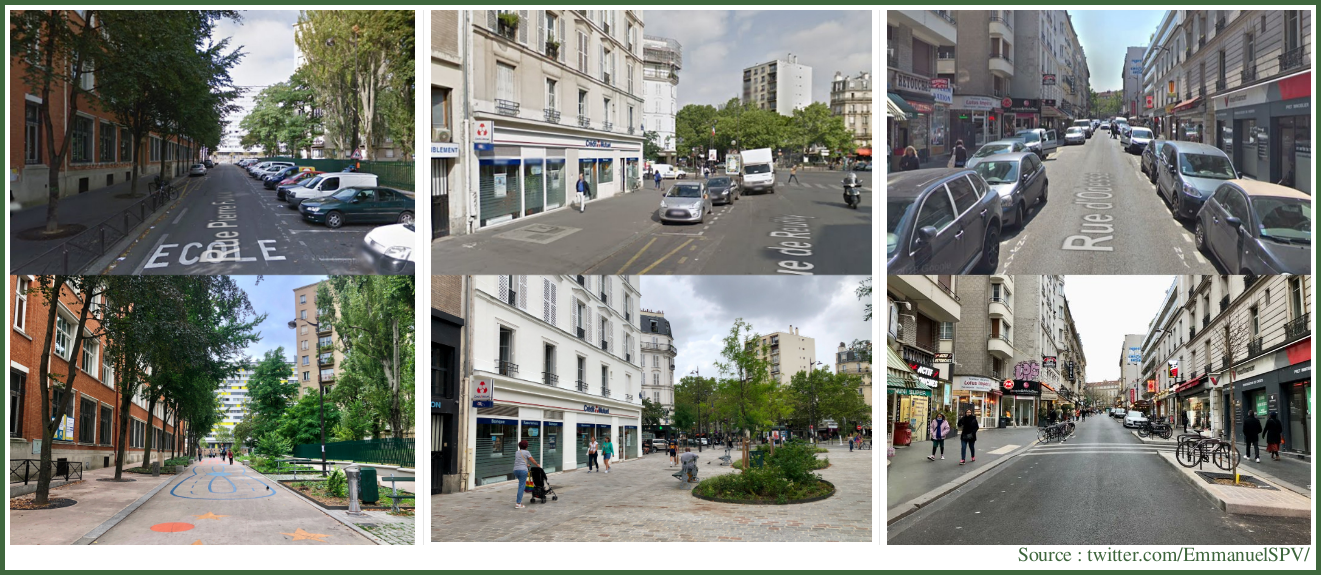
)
(1101, 487)
(229, 224)
(1103, 217)
(803, 228)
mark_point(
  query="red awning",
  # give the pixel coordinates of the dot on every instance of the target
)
(1047, 386)
(864, 151)
(1187, 104)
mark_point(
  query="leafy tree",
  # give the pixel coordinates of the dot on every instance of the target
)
(271, 390)
(821, 394)
(685, 416)
(652, 413)
(301, 423)
(861, 349)
(651, 148)
(864, 293)
(373, 317)
(224, 435)
(692, 127)
(815, 126)
(354, 422)
(243, 433)
(697, 394)
(273, 445)
(746, 394)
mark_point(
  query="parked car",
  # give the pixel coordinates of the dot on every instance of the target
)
(209, 164)
(1075, 135)
(391, 249)
(326, 184)
(273, 179)
(1020, 180)
(1257, 228)
(293, 180)
(862, 167)
(1118, 412)
(1190, 172)
(996, 147)
(1039, 140)
(942, 220)
(271, 169)
(1105, 125)
(722, 189)
(685, 202)
(1134, 140)
(1150, 159)
(1134, 418)
(197, 170)
(1086, 126)
(360, 205)
(668, 171)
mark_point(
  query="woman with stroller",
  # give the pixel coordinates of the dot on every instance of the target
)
(522, 458)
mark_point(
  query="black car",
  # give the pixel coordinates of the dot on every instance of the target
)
(209, 164)
(1257, 228)
(722, 189)
(943, 220)
(270, 181)
(1020, 180)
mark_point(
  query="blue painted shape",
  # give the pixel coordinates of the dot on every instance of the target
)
(222, 484)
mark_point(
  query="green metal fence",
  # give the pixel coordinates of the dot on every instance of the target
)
(399, 175)
(387, 451)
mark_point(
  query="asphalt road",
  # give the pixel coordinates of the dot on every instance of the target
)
(1103, 215)
(1102, 487)
(801, 228)
(227, 223)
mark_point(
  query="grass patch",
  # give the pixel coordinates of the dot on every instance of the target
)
(317, 490)
(741, 487)
(147, 470)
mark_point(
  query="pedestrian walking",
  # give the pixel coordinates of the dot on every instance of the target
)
(793, 174)
(959, 158)
(967, 437)
(657, 178)
(581, 187)
(1274, 435)
(1251, 431)
(673, 448)
(909, 162)
(607, 450)
(939, 429)
(591, 455)
(522, 458)
(1183, 417)
(231, 458)
(850, 444)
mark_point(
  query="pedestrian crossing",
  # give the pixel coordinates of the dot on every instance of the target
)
(1074, 447)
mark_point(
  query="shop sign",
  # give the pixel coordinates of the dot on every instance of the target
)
(1048, 361)
(1273, 403)
(1246, 97)
(907, 391)
(1021, 105)
(921, 107)
(941, 91)
(1150, 102)
(595, 409)
(944, 357)
(1151, 386)
(440, 150)
(1049, 103)
(924, 370)
(483, 132)
(483, 393)
(1022, 387)
(1135, 355)
(597, 143)
(971, 383)
(1047, 79)
(974, 103)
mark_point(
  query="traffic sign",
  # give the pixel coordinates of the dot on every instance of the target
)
(483, 132)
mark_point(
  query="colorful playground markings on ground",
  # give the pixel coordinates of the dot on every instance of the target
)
(299, 535)
(221, 482)
(171, 527)
(210, 515)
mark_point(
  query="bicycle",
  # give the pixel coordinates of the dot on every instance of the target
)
(1219, 452)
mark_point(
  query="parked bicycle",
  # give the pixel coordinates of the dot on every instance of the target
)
(1194, 450)
(1158, 427)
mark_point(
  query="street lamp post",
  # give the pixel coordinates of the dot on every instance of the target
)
(321, 390)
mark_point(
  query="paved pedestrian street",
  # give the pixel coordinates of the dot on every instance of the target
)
(639, 500)
(214, 503)
(1101, 487)
(803, 227)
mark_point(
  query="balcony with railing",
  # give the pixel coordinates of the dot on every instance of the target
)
(1001, 26)
(506, 108)
(1002, 64)
(506, 368)
(1192, 332)
(1000, 346)
(1220, 84)
(659, 347)
(1224, 304)
(1293, 59)
(1206, 320)
(628, 397)
(607, 126)
(582, 386)
(582, 333)
(552, 116)
(999, 307)
(1254, 347)
(584, 121)
(550, 379)
(1249, 73)
(1297, 328)
(605, 391)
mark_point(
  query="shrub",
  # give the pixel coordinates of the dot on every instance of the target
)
(337, 485)
(273, 445)
(795, 461)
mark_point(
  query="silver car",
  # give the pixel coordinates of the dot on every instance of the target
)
(997, 147)
(197, 170)
(685, 202)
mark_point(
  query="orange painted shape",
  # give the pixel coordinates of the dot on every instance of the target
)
(198, 542)
(171, 527)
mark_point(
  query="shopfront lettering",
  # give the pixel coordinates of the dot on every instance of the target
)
(595, 409)
(1029, 370)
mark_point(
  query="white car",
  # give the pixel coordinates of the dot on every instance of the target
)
(1134, 418)
(1075, 135)
(390, 249)
(1134, 140)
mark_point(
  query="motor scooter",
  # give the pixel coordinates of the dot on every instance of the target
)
(852, 191)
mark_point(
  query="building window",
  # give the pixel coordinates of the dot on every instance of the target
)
(504, 82)
(302, 299)
(21, 303)
(946, 330)
(32, 133)
(327, 375)
(87, 421)
(107, 417)
(582, 51)
(90, 351)
(305, 360)
(81, 150)
(1254, 321)
(440, 107)
(125, 145)
(552, 90)
(307, 376)
(63, 337)
(655, 379)
(302, 314)
(107, 373)
(17, 390)
(582, 103)
(107, 151)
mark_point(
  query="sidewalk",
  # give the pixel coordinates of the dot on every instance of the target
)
(98, 501)
(914, 481)
(86, 209)
(1290, 472)
(1272, 500)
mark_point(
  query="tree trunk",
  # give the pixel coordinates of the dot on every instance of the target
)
(45, 472)
(147, 434)
(125, 404)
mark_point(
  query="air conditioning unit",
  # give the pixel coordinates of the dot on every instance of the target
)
(441, 134)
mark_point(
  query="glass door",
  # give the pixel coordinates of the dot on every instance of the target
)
(552, 447)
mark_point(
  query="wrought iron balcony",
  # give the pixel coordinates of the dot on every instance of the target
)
(945, 15)
(550, 379)
(1201, 91)
(582, 386)
(1249, 73)
(582, 333)
(1206, 320)
(506, 107)
(507, 368)
(631, 130)
(628, 397)
(1254, 347)
(1295, 58)
(1249, 280)
(1192, 332)
(605, 391)
(1220, 25)
(1220, 84)
(1297, 328)
(607, 126)
(584, 121)
(552, 116)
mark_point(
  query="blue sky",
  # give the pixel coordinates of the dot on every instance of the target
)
(1106, 35)
(267, 38)
(719, 44)
(274, 296)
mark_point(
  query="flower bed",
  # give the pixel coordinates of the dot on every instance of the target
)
(316, 492)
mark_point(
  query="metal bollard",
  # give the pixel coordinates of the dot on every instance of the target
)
(354, 474)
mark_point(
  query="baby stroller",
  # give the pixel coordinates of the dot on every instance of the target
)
(541, 486)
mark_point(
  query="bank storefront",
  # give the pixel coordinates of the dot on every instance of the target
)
(527, 171)
(556, 423)
(1280, 383)
(1266, 130)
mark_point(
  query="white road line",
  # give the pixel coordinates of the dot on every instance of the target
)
(337, 259)
(138, 270)
(180, 217)
(1179, 252)
(1004, 450)
(324, 231)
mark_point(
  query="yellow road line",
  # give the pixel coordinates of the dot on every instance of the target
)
(683, 259)
(663, 258)
(635, 257)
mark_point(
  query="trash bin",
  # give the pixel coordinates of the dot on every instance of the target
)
(903, 435)
(369, 490)
(1004, 422)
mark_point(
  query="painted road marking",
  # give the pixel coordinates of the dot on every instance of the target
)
(221, 484)
(1003, 450)
(663, 258)
(635, 256)
(299, 535)
(210, 515)
(180, 217)
(171, 527)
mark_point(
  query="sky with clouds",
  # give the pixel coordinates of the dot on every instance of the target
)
(274, 296)
(267, 38)
(1105, 309)
(719, 44)
(702, 309)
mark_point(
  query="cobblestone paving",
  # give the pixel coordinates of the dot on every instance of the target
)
(389, 529)
(639, 500)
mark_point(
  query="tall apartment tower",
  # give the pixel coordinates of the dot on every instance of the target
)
(789, 353)
(316, 358)
(662, 58)
(779, 85)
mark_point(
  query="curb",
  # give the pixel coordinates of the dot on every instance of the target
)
(1239, 508)
(123, 514)
(912, 506)
(833, 491)
(102, 264)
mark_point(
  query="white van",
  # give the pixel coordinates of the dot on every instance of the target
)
(327, 184)
(758, 170)
(668, 171)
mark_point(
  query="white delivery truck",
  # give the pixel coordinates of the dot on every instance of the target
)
(758, 170)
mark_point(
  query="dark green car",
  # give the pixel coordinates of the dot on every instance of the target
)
(360, 205)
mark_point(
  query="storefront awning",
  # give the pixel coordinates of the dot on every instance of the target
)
(863, 151)
(896, 106)
(897, 372)
(1186, 104)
